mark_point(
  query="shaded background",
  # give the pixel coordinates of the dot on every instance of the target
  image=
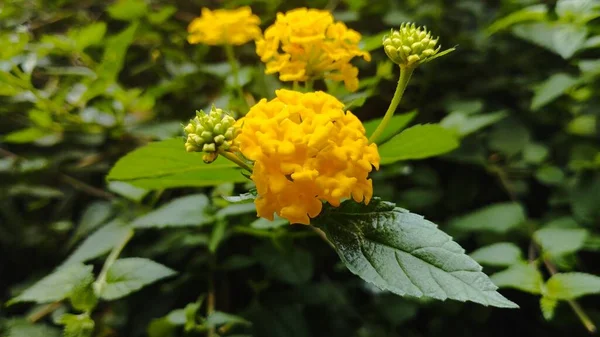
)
(74, 99)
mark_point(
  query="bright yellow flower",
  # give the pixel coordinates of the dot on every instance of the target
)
(306, 44)
(224, 26)
(306, 150)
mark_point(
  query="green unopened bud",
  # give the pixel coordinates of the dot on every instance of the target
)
(411, 45)
(209, 133)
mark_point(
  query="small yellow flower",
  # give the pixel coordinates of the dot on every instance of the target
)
(306, 44)
(306, 150)
(224, 26)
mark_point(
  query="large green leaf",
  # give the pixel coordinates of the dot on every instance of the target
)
(56, 286)
(418, 142)
(522, 276)
(100, 242)
(396, 124)
(131, 274)
(185, 211)
(552, 88)
(560, 241)
(498, 254)
(165, 164)
(568, 286)
(402, 252)
(464, 124)
(499, 218)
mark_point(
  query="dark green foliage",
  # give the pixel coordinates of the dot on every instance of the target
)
(141, 253)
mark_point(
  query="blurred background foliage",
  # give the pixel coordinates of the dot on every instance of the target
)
(82, 83)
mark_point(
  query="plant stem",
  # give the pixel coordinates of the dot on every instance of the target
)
(405, 74)
(210, 299)
(236, 73)
(236, 160)
(308, 86)
(114, 254)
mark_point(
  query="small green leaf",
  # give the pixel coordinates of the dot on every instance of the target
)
(24, 328)
(535, 153)
(218, 318)
(522, 276)
(418, 142)
(83, 297)
(89, 35)
(95, 215)
(405, 254)
(464, 124)
(584, 125)
(509, 136)
(127, 10)
(531, 13)
(127, 190)
(236, 209)
(550, 175)
(548, 305)
(165, 164)
(23, 136)
(99, 243)
(396, 124)
(77, 325)
(499, 218)
(56, 286)
(560, 241)
(498, 254)
(552, 88)
(128, 275)
(569, 286)
(185, 211)
(242, 198)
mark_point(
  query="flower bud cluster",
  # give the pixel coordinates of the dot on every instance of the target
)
(210, 133)
(410, 45)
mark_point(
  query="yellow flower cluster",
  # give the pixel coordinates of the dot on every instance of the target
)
(306, 150)
(223, 26)
(306, 44)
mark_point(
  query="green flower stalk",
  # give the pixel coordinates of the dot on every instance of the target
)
(408, 47)
(211, 133)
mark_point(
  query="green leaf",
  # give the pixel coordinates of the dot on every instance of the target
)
(127, 190)
(499, 254)
(549, 175)
(560, 241)
(185, 211)
(24, 328)
(405, 254)
(83, 297)
(535, 153)
(509, 136)
(531, 13)
(165, 164)
(569, 286)
(522, 276)
(89, 35)
(236, 209)
(418, 142)
(552, 88)
(77, 325)
(127, 10)
(96, 214)
(99, 243)
(396, 124)
(23, 136)
(114, 55)
(548, 305)
(498, 218)
(562, 39)
(464, 124)
(293, 266)
(56, 286)
(218, 318)
(584, 125)
(128, 275)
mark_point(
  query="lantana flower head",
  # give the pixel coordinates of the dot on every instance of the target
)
(224, 26)
(307, 44)
(306, 150)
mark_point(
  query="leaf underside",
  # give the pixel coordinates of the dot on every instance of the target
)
(402, 252)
